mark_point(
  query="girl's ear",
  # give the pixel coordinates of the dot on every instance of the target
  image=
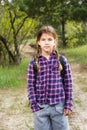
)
(38, 43)
(55, 41)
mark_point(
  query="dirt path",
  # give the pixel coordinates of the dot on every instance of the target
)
(15, 114)
(78, 120)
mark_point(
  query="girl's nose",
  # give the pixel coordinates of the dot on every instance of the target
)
(47, 41)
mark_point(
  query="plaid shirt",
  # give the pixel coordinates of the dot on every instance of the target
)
(49, 88)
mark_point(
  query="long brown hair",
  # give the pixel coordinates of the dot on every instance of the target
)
(50, 30)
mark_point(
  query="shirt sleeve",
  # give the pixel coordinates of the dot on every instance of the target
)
(68, 85)
(31, 88)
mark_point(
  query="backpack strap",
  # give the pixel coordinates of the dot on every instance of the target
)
(61, 59)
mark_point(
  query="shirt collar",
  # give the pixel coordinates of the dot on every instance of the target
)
(52, 54)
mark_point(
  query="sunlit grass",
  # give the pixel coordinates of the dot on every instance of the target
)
(79, 54)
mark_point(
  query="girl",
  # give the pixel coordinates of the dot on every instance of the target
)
(50, 98)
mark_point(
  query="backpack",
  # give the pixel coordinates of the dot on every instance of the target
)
(61, 59)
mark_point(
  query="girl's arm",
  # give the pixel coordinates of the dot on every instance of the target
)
(31, 88)
(68, 85)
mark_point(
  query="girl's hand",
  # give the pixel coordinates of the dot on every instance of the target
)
(67, 112)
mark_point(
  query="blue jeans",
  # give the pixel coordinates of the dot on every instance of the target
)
(51, 117)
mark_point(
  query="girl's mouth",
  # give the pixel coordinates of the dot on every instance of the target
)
(46, 46)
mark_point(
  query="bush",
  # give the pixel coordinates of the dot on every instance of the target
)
(75, 35)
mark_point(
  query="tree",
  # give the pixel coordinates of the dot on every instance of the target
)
(79, 10)
(14, 30)
(55, 12)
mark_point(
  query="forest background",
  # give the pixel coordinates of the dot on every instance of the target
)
(20, 20)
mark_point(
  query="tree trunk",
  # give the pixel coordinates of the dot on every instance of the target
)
(13, 58)
(17, 54)
(4, 41)
(15, 34)
(63, 32)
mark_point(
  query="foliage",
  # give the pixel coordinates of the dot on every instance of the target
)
(73, 29)
(79, 10)
(48, 12)
(56, 12)
(13, 33)
(75, 34)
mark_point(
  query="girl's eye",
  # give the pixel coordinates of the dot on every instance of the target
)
(50, 39)
(43, 39)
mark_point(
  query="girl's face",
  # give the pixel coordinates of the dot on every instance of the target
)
(47, 42)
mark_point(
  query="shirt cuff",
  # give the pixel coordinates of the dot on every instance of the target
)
(68, 105)
(35, 107)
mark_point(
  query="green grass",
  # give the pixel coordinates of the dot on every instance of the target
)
(78, 55)
(13, 76)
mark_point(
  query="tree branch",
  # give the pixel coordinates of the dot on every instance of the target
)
(20, 26)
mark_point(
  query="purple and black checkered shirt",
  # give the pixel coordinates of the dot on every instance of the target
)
(49, 88)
